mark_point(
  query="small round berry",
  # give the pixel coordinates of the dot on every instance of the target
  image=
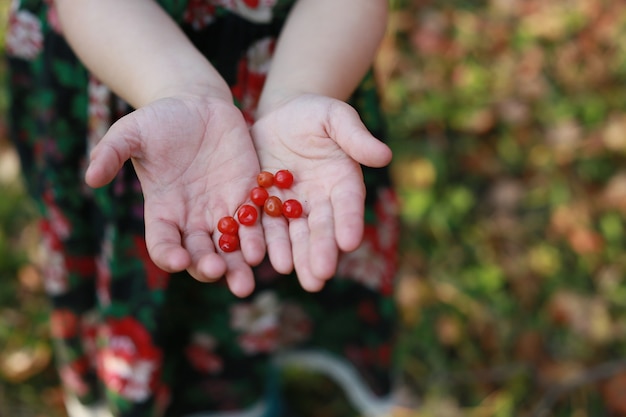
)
(229, 243)
(258, 195)
(247, 215)
(292, 209)
(228, 225)
(265, 179)
(283, 178)
(273, 206)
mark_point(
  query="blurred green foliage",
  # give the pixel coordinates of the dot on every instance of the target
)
(508, 120)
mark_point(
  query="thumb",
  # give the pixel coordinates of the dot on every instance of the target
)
(117, 146)
(349, 132)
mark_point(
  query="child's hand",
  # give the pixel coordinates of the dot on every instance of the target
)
(196, 163)
(321, 141)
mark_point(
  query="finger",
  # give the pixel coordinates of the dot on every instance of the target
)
(114, 149)
(239, 275)
(164, 246)
(206, 264)
(209, 267)
(278, 242)
(252, 244)
(322, 250)
(299, 234)
(349, 132)
(349, 210)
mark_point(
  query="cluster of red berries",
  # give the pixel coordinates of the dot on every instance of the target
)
(272, 205)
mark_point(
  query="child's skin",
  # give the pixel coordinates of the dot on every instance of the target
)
(194, 154)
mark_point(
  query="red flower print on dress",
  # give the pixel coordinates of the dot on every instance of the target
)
(53, 17)
(72, 376)
(54, 269)
(103, 269)
(55, 276)
(24, 37)
(201, 354)
(258, 323)
(163, 398)
(363, 356)
(58, 223)
(258, 11)
(82, 266)
(129, 363)
(251, 75)
(103, 281)
(89, 336)
(387, 210)
(366, 264)
(295, 325)
(199, 14)
(63, 323)
(57, 266)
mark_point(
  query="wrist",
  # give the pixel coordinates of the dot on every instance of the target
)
(198, 81)
(272, 99)
(205, 90)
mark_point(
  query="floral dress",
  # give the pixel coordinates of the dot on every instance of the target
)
(149, 343)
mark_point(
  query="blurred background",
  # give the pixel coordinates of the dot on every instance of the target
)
(508, 122)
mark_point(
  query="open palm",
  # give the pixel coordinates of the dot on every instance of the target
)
(323, 142)
(196, 163)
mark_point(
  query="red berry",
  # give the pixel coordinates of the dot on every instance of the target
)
(273, 206)
(258, 195)
(265, 179)
(228, 225)
(229, 243)
(247, 215)
(292, 209)
(283, 178)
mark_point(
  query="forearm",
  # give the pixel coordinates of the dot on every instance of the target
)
(325, 48)
(136, 49)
